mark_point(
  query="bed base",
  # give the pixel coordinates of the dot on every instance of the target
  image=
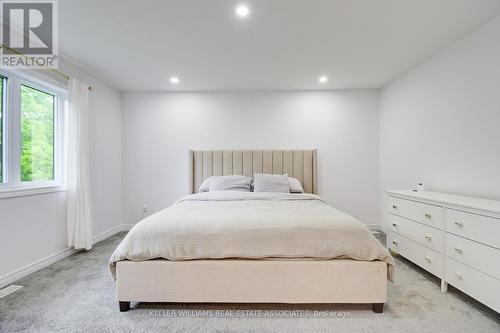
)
(252, 281)
(376, 307)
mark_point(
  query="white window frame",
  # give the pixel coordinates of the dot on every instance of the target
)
(3, 100)
(13, 186)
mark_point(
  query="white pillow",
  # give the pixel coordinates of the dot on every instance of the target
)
(226, 183)
(205, 185)
(295, 185)
(231, 183)
(271, 183)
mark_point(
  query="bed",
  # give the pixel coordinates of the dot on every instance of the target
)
(236, 247)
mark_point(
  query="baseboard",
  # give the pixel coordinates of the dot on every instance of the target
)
(376, 228)
(111, 232)
(126, 227)
(36, 266)
(49, 260)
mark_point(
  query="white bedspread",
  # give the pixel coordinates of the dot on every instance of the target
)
(217, 225)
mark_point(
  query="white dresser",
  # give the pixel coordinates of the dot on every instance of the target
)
(454, 237)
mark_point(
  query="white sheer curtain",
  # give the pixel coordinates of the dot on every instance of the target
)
(79, 212)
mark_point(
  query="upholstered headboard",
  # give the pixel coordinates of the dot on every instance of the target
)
(300, 164)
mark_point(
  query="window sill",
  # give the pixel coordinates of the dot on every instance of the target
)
(7, 192)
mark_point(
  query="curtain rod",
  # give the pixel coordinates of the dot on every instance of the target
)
(53, 70)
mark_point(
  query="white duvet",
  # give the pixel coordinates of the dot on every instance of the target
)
(250, 225)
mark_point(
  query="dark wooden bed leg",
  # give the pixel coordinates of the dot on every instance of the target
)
(124, 306)
(378, 307)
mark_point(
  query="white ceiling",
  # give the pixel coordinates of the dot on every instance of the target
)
(283, 44)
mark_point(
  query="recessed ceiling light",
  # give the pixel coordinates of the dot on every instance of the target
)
(242, 11)
(323, 79)
(174, 80)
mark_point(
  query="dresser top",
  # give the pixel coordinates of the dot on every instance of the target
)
(451, 199)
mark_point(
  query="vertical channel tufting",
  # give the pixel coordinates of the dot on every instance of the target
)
(217, 160)
(247, 163)
(237, 162)
(288, 162)
(307, 170)
(197, 170)
(277, 162)
(257, 161)
(207, 164)
(227, 163)
(267, 161)
(297, 164)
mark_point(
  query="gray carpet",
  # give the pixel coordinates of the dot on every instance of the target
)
(77, 295)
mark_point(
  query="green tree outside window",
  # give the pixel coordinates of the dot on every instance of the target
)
(37, 135)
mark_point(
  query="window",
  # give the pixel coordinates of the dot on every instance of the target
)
(31, 135)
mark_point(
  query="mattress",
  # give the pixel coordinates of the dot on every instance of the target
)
(250, 225)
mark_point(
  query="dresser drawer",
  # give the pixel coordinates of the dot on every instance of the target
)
(478, 228)
(427, 214)
(419, 254)
(478, 256)
(482, 287)
(423, 234)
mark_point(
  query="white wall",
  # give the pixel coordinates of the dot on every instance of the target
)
(34, 227)
(440, 123)
(160, 128)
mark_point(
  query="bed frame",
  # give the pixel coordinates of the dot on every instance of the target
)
(252, 281)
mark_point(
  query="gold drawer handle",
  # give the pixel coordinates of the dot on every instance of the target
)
(394, 225)
(395, 243)
(458, 275)
(428, 216)
(459, 224)
(428, 238)
(429, 260)
(394, 207)
(459, 250)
